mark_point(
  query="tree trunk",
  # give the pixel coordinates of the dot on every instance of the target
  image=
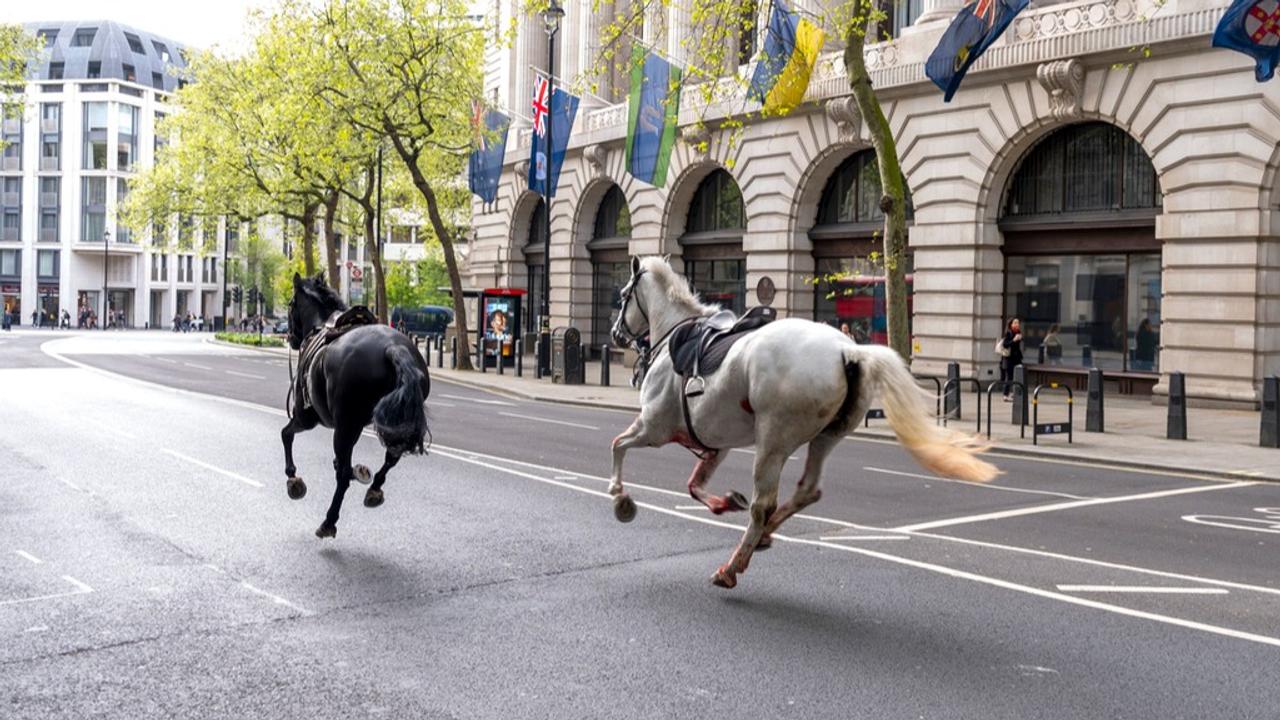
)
(331, 240)
(309, 238)
(446, 243)
(893, 202)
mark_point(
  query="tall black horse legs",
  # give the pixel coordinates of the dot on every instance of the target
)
(344, 441)
(301, 422)
(373, 496)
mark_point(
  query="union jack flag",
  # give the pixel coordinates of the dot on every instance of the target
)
(541, 106)
(478, 111)
(985, 10)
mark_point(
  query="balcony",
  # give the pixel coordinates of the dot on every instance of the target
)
(11, 199)
(50, 126)
(48, 201)
(50, 163)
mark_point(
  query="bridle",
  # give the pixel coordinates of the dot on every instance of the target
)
(625, 332)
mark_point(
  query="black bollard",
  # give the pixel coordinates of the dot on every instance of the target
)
(519, 358)
(1019, 415)
(440, 352)
(1094, 419)
(951, 403)
(1040, 354)
(500, 360)
(1177, 406)
(480, 356)
(453, 352)
(1086, 355)
(604, 365)
(1270, 436)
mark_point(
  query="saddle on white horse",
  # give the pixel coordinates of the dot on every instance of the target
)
(697, 348)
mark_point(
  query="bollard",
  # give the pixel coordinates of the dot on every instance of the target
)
(440, 352)
(604, 365)
(480, 356)
(519, 350)
(1177, 406)
(453, 352)
(1270, 436)
(1019, 414)
(951, 403)
(500, 360)
(1040, 354)
(1094, 420)
(537, 353)
(1086, 355)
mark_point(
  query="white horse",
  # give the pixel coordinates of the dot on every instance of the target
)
(789, 383)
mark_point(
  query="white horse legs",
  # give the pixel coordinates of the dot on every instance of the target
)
(807, 491)
(764, 501)
(624, 508)
(717, 504)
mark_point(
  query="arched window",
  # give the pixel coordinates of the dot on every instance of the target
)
(712, 244)
(848, 251)
(1082, 262)
(610, 268)
(535, 256)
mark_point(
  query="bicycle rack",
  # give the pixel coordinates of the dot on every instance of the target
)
(878, 413)
(1003, 385)
(958, 383)
(1051, 428)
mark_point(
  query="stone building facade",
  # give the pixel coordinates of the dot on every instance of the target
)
(1122, 202)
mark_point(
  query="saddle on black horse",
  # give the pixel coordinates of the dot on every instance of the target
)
(339, 323)
(698, 348)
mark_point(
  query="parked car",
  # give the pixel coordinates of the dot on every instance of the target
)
(428, 320)
(281, 326)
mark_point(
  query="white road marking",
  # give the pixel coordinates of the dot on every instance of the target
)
(1268, 523)
(918, 564)
(566, 477)
(27, 556)
(440, 403)
(837, 538)
(274, 598)
(214, 468)
(198, 367)
(691, 507)
(983, 486)
(78, 584)
(1035, 510)
(478, 400)
(164, 360)
(548, 420)
(749, 451)
(245, 375)
(1144, 589)
(81, 589)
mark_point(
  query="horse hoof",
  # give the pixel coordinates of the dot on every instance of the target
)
(765, 543)
(624, 508)
(735, 502)
(363, 476)
(724, 579)
(296, 488)
(327, 531)
(373, 498)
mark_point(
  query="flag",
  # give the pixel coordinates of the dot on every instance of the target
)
(560, 111)
(974, 29)
(485, 166)
(1253, 28)
(791, 49)
(652, 111)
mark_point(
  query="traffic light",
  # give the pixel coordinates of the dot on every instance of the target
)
(253, 296)
(237, 294)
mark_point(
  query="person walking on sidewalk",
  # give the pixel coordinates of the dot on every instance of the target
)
(1010, 347)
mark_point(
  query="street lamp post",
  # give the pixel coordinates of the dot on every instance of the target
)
(226, 238)
(102, 319)
(552, 17)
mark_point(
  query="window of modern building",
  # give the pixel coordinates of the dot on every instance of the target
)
(11, 226)
(535, 262)
(158, 139)
(1082, 263)
(748, 30)
(95, 70)
(93, 209)
(161, 50)
(11, 207)
(157, 81)
(186, 233)
(50, 136)
(123, 233)
(714, 261)
(84, 37)
(126, 137)
(233, 234)
(11, 135)
(50, 205)
(56, 70)
(209, 270)
(135, 44)
(848, 251)
(610, 266)
(10, 264)
(401, 234)
(47, 264)
(130, 73)
(159, 267)
(95, 136)
(48, 36)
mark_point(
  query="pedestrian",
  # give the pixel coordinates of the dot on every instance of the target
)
(1053, 345)
(177, 322)
(844, 328)
(66, 320)
(35, 318)
(1010, 348)
(1144, 354)
(7, 325)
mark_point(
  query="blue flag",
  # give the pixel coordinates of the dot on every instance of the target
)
(560, 111)
(652, 113)
(974, 29)
(485, 166)
(1253, 28)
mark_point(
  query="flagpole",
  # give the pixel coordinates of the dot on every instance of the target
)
(540, 71)
(552, 16)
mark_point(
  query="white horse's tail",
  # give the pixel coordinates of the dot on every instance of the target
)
(944, 452)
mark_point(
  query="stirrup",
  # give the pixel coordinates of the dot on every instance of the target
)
(695, 386)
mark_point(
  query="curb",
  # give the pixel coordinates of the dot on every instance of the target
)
(997, 449)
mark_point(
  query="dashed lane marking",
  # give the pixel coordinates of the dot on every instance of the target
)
(1055, 507)
(982, 486)
(548, 420)
(854, 538)
(483, 401)
(1154, 589)
(28, 556)
(81, 589)
(198, 367)
(215, 468)
(244, 375)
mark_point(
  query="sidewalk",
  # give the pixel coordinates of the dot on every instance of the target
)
(1222, 443)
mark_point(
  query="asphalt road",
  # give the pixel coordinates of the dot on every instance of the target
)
(152, 566)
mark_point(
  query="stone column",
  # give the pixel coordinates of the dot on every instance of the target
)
(938, 11)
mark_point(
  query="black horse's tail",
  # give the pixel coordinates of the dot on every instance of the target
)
(400, 417)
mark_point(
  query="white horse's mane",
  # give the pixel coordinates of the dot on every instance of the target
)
(677, 288)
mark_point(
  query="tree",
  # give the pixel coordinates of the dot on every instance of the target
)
(18, 48)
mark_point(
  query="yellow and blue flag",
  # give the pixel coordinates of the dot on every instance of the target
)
(1253, 28)
(978, 24)
(791, 49)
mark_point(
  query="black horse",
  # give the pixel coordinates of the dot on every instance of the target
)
(352, 370)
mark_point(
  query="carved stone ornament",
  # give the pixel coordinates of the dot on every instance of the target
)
(844, 111)
(697, 137)
(597, 156)
(1063, 80)
(522, 174)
